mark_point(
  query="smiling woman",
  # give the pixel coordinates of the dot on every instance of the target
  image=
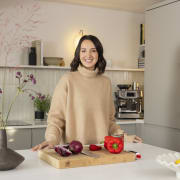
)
(82, 106)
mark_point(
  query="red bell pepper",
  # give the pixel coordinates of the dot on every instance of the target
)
(114, 144)
(106, 139)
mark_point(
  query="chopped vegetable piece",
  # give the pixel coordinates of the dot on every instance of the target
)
(93, 147)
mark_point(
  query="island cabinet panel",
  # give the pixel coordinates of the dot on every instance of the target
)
(37, 136)
(139, 131)
(130, 129)
(18, 139)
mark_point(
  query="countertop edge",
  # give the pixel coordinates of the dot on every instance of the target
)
(44, 125)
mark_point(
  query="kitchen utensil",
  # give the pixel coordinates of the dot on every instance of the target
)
(90, 154)
(134, 86)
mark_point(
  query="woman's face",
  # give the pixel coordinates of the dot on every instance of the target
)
(88, 54)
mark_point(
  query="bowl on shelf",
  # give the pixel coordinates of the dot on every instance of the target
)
(169, 161)
(53, 61)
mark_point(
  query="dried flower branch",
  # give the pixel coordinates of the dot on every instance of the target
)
(22, 82)
(17, 25)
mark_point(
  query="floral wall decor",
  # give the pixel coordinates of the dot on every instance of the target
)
(17, 25)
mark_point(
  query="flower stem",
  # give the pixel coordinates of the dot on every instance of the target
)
(3, 89)
(17, 94)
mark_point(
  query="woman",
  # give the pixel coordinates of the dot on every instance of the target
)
(82, 106)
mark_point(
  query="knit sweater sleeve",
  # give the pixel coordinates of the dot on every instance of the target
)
(56, 116)
(114, 129)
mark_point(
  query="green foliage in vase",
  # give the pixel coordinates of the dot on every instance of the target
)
(41, 102)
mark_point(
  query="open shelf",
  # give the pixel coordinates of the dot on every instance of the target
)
(68, 68)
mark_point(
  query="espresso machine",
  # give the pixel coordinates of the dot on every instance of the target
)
(129, 101)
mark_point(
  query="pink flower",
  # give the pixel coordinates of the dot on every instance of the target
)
(42, 97)
(18, 75)
(34, 81)
(0, 91)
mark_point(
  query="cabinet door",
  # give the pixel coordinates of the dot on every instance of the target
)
(140, 131)
(18, 138)
(130, 129)
(38, 136)
(162, 85)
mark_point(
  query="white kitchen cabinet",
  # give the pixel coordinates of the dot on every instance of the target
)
(130, 129)
(24, 138)
(162, 83)
(18, 138)
(37, 136)
(131, 126)
(140, 131)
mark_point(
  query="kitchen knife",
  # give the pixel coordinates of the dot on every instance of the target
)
(90, 154)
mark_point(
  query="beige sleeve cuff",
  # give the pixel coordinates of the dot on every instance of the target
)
(52, 138)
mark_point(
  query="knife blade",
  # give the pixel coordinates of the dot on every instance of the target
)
(90, 154)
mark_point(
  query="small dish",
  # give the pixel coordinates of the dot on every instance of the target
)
(168, 160)
(53, 61)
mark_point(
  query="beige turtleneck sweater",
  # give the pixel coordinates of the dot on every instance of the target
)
(82, 109)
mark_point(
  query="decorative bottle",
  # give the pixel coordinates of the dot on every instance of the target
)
(32, 56)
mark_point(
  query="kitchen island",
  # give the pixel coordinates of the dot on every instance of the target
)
(145, 168)
(26, 134)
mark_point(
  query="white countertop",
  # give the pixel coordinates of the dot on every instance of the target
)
(130, 121)
(43, 124)
(144, 169)
(33, 124)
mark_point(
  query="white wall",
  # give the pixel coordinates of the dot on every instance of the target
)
(117, 30)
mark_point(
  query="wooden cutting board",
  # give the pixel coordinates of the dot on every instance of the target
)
(79, 160)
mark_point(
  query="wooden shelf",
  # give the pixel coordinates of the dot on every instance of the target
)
(68, 68)
(125, 69)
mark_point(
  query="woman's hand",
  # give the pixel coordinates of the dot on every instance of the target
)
(43, 145)
(137, 139)
(132, 139)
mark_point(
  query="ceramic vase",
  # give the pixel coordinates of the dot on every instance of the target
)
(9, 159)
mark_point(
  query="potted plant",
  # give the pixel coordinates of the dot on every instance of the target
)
(41, 104)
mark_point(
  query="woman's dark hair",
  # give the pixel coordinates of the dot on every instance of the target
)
(101, 63)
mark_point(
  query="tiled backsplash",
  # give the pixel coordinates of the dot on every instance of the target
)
(46, 81)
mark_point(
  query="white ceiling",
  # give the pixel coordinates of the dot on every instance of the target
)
(127, 5)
